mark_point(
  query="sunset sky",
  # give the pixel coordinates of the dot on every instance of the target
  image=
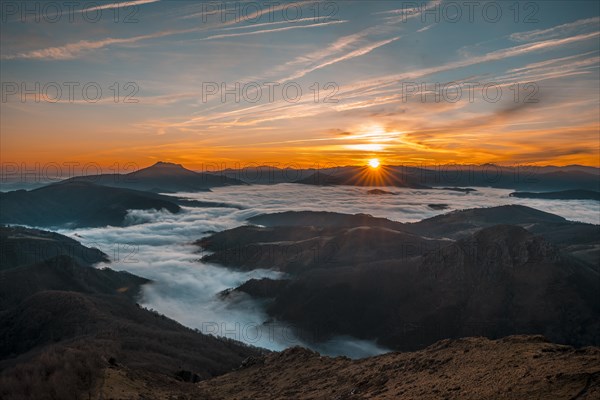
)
(366, 58)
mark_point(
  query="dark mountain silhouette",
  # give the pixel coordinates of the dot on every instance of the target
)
(530, 178)
(561, 195)
(362, 176)
(457, 189)
(460, 223)
(78, 204)
(298, 249)
(322, 219)
(380, 192)
(408, 285)
(577, 239)
(24, 246)
(66, 327)
(66, 274)
(161, 177)
(503, 280)
(519, 177)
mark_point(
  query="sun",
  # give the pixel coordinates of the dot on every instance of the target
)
(374, 163)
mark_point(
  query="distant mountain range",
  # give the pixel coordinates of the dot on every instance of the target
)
(561, 195)
(492, 271)
(488, 175)
(164, 177)
(161, 177)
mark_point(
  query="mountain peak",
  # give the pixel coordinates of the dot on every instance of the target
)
(164, 164)
(162, 169)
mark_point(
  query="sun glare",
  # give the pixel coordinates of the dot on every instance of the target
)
(374, 163)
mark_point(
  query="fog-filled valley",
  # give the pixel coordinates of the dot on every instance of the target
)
(158, 245)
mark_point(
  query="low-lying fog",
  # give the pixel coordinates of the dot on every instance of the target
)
(158, 246)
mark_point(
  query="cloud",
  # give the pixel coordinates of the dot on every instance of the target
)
(426, 28)
(515, 51)
(122, 4)
(287, 28)
(352, 54)
(294, 21)
(73, 50)
(555, 31)
(406, 13)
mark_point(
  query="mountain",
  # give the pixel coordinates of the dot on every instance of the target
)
(578, 239)
(523, 177)
(161, 177)
(530, 178)
(513, 368)
(460, 223)
(322, 219)
(560, 195)
(362, 176)
(24, 246)
(459, 274)
(298, 249)
(78, 204)
(66, 274)
(67, 328)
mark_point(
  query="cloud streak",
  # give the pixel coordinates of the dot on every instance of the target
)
(74, 50)
(555, 30)
(123, 4)
(263, 31)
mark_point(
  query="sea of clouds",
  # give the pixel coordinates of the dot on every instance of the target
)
(159, 245)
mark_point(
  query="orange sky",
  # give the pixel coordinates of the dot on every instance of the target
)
(373, 84)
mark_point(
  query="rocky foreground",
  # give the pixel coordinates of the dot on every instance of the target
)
(516, 367)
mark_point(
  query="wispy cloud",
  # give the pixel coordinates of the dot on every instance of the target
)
(352, 54)
(263, 31)
(384, 90)
(406, 13)
(552, 61)
(426, 28)
(497, 55)
(73, 50)
(255, 16)
(291, 22)
(121, 4)
(555, 31)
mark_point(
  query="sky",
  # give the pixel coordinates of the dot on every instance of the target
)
(299, 83)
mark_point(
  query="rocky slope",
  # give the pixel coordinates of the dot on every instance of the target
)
(513, 368)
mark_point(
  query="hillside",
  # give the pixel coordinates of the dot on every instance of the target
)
(409, 285)
(78, 204)
(63, 323)
(24, 246)
(65, 274)
(513, 368)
